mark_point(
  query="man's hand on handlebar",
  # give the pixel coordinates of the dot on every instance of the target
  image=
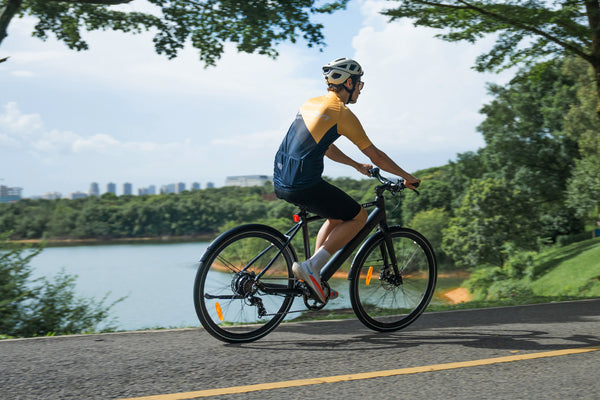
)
(364, 169)
(412, 183)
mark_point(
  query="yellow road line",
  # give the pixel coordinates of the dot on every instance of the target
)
(366, 375)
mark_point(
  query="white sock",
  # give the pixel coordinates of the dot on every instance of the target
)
(319, 259)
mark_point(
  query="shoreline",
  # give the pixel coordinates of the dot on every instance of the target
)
(116, 241)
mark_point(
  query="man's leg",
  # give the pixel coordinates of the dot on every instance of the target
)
(335, 233)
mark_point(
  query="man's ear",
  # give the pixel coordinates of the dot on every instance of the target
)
(348, 84)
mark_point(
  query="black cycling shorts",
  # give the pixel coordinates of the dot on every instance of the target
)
(322, 199)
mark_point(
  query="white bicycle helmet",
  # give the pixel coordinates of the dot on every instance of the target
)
(339, 70)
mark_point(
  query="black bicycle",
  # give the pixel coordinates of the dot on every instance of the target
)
(245, 287)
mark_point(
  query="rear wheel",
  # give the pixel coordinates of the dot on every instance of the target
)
(232, 302)
(382, 299)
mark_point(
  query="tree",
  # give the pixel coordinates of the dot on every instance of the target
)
(527, 144)
(583, 193)
(491, 215)
(524, 130)
(256, 26)
(430, 223)
(526, 31)
(50, 307)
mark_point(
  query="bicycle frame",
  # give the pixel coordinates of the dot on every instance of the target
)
(377, 217)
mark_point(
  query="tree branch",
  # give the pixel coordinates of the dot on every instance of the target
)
(528, 28)
(593, 12)
(450, 6)
(96, 2)
(6, 14)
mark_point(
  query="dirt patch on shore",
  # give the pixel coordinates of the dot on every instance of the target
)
(458, 295)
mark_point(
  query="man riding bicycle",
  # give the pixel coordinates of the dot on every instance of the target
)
(299, 167)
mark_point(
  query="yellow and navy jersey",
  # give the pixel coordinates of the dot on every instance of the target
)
(319, 123)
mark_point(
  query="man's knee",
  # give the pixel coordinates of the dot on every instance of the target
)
(361, 217)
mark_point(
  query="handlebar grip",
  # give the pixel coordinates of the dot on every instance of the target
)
(416, 184)
(374, 172)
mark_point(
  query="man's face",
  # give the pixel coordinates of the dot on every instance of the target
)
(357, 88)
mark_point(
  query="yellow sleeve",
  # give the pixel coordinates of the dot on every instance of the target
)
(349, 126)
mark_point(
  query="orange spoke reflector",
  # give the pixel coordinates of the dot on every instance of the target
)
(219, 311)
(369, 275)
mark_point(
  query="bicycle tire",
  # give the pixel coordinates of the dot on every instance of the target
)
(227, 299)
(380, 302)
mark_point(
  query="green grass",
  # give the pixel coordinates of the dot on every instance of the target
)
(573, 270)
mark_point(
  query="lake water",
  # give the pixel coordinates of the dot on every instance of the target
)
(157, 278)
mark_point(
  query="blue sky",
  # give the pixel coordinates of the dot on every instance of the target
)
(121, 113)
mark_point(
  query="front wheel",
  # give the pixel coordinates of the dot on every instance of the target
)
(240, 281)
(386, 300)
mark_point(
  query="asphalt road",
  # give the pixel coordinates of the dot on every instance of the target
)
(554, 352)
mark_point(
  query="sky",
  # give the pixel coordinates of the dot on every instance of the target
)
(121, 113)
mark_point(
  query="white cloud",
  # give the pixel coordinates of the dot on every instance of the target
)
(28, 131)
(23, 74)
(421, 95)
(171, 120)
(257, 140)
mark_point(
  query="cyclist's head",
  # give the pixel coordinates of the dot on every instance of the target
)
(338, 71)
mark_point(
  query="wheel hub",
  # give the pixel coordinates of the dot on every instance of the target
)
(388, 280)
(242, 284)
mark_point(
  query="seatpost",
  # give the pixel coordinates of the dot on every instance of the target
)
(305, 238)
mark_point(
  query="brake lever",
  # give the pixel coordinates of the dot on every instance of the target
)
(416, 185)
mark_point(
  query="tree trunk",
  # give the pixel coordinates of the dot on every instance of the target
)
(592, 8)
(6, 14)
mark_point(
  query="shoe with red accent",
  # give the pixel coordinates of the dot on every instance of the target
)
(303, 272)
(333, 294)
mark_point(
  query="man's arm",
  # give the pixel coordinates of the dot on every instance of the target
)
(382, 160)
(335, 154)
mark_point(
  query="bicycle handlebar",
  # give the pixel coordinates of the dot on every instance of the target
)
(392, 186)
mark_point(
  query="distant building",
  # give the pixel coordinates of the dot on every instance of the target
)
(166, 189)
(10, 194)
(77, 195)
(195, 186)
(51, 196)
(248, 180)
(111, 188)
(94, 189)
(179, 187)
(210, 185)
(147, 190)
(127, 189)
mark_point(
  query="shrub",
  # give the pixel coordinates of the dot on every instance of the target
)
(43, 307)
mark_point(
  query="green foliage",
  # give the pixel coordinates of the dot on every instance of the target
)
(525, 31)
(56, 309)
(492, 214)
(14, 272)
(436, 192)
(49, 307)
(579, 262)
(431, 223)
(584, 193)
(255, 26)
(512, 280)
(580, 122)
(524, 131)
(571, 272)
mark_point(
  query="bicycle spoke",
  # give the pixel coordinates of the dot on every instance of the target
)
(244, 286)
(391, 301)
